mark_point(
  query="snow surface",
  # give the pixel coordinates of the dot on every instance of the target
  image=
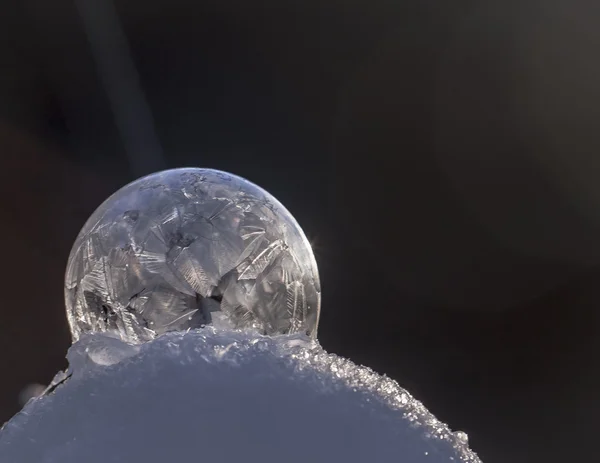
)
(221, 396)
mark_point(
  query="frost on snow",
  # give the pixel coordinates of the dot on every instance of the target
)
(221, 396)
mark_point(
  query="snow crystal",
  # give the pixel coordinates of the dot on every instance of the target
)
(219, 396)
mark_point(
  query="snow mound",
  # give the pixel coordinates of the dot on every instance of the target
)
(221, 397)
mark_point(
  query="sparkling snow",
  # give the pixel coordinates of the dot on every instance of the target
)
(221, 397)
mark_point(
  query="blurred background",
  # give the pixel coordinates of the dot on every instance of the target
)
(443, 157)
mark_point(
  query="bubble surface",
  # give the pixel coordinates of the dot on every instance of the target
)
(184, 248)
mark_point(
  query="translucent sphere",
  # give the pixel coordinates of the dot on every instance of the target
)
(184, 248)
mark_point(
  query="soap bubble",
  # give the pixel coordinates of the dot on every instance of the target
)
(184, 248)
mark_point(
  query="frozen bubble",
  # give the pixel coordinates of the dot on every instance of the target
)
(184, 248)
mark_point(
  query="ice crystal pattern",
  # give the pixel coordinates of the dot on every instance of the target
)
(185, 248)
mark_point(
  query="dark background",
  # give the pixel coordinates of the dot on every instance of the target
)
(443, 157)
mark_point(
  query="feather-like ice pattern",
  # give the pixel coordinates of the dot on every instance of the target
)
(260, 262)
(296, 299)
(225, 251)
(191, 268)
(95, 280)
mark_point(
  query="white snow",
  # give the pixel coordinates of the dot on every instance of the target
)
(216, 396)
